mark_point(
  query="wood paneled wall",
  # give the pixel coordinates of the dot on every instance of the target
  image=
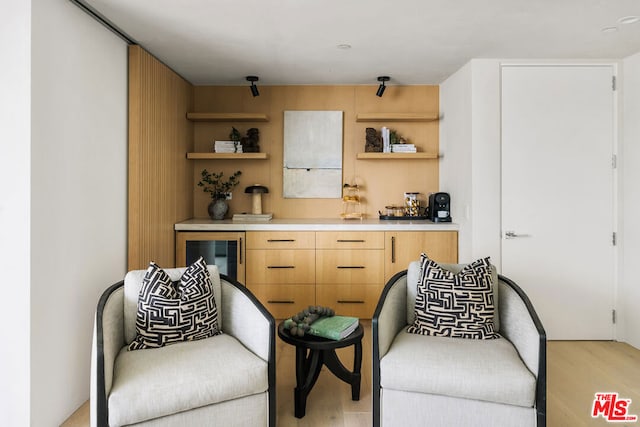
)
(384, 181)
(160, 178)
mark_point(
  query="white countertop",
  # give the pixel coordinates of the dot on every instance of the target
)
(314, 224)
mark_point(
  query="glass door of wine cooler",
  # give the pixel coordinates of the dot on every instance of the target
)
(224, 249)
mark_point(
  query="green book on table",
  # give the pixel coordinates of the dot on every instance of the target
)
(334, 327)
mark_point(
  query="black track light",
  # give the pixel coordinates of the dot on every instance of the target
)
(254, 88)
(382, 87)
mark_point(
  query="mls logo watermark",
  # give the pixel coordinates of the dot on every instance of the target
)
(612, 408)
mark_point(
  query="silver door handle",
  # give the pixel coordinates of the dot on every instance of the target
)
(513, 235)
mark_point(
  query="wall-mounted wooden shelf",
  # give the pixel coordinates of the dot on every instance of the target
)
(396, 117)
(379, 156)
(227, 117)
(227, 156)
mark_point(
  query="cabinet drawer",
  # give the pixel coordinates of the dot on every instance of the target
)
(349, 240)
(283, 266)
(349, 300)
(281, 240)
(350, 266)
(283, 301)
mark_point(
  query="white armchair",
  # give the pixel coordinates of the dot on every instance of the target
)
(421, 380)
(225, 380)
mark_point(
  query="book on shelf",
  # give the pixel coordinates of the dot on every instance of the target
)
(227, 147)
(403, 148)
(334, 327)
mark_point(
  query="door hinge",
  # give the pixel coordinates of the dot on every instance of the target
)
(614, 161)
(614, 238)
(613, 82)
(613, 316)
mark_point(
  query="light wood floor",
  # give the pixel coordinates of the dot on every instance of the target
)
(576, 370)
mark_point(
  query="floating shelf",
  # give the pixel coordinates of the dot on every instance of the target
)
(397, 117)
(227, 156)
(227, 117)
(378, 156)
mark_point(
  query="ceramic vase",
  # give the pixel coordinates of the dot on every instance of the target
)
(218, 209)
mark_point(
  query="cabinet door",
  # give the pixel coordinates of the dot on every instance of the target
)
(281, 240)
(349, 240)
(281, 266)
(350, 266)
(283, 301)
(402, 247)
(349, 300)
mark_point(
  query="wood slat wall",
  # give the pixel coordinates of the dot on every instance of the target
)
(160, 176)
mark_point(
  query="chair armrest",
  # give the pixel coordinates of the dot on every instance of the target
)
(388, 319)
(108, 340)
(520, 324)
(390, 315)
(246, 319)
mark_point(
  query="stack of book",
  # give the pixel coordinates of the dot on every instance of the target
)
(227, 147)
(403, 148)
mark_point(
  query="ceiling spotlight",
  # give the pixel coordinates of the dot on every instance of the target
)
(631, 19)
(254, 88)
(382, 87)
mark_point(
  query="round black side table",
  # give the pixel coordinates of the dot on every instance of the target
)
(311, 353)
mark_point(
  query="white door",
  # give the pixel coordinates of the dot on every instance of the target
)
(557, 194)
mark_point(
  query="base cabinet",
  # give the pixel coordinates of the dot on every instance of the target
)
(288, 271)
(281, 270)
(283, 301)
(402, 247)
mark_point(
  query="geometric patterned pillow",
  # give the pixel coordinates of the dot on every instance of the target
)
(455, 305)
(171, 312)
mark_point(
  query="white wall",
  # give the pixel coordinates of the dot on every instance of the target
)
(629, 294)
(78, 196)
(15, 38)
(470, 167)
(456, 151)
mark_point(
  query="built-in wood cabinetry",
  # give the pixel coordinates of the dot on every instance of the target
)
(349, 271)
(345, 270)
(281, 270)
(402, 247)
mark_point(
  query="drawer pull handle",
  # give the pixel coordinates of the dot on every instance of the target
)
(281, 266)
(278, 301)
(350, 266)
(280, 240)
(393, 250)
(347, 301)
(351, 240)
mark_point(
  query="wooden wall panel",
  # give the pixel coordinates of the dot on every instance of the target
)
(384, 181)
(160, 178)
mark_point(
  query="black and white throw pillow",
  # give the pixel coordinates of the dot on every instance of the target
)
(171, 312)
(455, 305)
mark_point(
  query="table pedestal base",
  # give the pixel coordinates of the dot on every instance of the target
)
(308, 365)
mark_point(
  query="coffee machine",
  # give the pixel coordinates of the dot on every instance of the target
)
(439, 209)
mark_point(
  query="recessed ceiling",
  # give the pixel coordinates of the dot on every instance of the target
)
(292, 42)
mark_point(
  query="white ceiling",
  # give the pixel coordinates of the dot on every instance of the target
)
(290, 42)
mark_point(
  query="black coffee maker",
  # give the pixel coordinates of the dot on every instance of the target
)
(439, 209)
